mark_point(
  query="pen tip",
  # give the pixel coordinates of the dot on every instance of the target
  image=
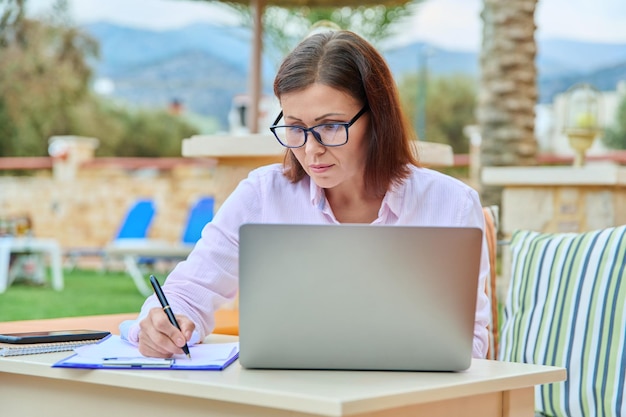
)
(189, 356)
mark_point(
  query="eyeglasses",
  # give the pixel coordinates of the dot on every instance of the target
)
(328, 134)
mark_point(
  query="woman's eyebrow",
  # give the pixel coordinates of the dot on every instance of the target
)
(328, 115)
(294, 119)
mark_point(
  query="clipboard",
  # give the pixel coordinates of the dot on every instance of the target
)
(116, 353)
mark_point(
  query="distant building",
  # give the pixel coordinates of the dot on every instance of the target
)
(175, 107)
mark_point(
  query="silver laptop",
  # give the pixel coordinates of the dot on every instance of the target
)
(357, 297)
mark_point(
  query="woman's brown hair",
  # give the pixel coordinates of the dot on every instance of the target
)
(345, 61)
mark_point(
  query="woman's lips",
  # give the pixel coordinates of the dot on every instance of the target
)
(319, 168)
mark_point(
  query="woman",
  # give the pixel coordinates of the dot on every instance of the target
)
(349, 160)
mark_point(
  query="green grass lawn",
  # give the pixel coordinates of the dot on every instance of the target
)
(86, 293)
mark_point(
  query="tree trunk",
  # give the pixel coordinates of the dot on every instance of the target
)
(508, 92)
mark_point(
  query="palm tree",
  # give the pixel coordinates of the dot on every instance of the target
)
(508, 93)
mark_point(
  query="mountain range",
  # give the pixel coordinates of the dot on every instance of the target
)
(204, 66)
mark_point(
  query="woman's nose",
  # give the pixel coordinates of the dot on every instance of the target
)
(312, 145)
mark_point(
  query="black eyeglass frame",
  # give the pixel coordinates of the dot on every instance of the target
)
(315, 134)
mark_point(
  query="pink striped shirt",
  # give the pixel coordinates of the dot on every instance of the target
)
(209, 277)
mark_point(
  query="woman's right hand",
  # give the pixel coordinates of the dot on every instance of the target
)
(159, 338)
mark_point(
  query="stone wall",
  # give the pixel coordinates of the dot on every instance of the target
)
(555, 199)
(83, 200)
(86, 212)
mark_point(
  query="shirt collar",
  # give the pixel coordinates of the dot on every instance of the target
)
(392, 204)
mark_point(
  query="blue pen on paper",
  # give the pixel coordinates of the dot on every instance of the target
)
(166, 308)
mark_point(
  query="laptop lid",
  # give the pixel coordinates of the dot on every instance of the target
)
(357, 297)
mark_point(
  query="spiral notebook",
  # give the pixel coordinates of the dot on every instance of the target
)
(8, 349)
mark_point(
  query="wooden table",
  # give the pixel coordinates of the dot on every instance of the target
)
(226, 322)
(30, 386)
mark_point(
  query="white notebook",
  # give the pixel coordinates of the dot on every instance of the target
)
(8, 349)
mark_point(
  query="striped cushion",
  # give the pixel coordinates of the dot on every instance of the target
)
(566, 307)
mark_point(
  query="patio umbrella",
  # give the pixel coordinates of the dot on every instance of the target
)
(255, 60)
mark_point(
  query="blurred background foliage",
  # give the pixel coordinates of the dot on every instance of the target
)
(451, 107)
(45, 84)
(45, 91)
(285, 27)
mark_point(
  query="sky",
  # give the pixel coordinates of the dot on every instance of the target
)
(451, 24)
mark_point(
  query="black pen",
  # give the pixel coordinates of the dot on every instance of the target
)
(166, 307)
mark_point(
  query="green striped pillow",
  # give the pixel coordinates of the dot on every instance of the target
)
(566, 306)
